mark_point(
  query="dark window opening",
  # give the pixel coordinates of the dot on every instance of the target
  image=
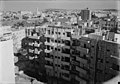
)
(116, 67)
(66, 51)
(67, 42)
(55, 41)
(68, 34)
(48, 47)
(49, 32)
(48, 39)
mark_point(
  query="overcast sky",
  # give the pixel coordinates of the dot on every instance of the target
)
(16, 5)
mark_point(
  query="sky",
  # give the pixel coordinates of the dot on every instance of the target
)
(16, 5)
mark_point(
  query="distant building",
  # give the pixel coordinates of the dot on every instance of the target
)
(85, 14)
(109, 24)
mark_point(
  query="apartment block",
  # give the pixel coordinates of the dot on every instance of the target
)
(109, 24)
(35, 46)
(83, 58)
(7, 68)
(57, 51)
(85, 14)
(107, 60)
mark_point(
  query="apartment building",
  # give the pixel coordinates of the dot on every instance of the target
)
(109, 24)
(107, 60)
(83, 60)
(94, 60)
(58, 39)
(34, 44)
(7, 68)
(85, 14)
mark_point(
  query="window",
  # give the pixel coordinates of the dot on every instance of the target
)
(75, 42)
(51, 56)
(58, 49)
(115, 67)
(55, 56)
(51, 47)
(55, 41)
(58, 57)
(84, 45)
(59, 33)
(48, 39)
(52, 32)
(52, 40)
(63, 41)
(65, 50)
(48, 47)
(68, 34)
(66, 75)
(67, 42)
(47, 54)
(49, 32)
(67, 59)
(58, 41)
(63, 33)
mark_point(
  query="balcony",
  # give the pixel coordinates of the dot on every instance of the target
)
(48, 59)
(31, 58)
(30, 44)
(65, 50)
(66, 77)
(80, 80)
(15, 59)
(36, 51)
(37, 44)
(81, 70)
(84, 61)
(65, 63)
(65, 71)
(84, 50)
(49, 66)
(31, 51)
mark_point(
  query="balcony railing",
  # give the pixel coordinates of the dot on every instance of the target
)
(80, 80)
(31, 51)
(31, 44)
(48, 59)
(84, 61)
(81, 70)
(84, 50)
(48, 66)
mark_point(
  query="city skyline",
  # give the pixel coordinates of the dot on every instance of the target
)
(15, 5)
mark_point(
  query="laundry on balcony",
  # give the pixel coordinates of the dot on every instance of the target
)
(31, 51)
(31, 44)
